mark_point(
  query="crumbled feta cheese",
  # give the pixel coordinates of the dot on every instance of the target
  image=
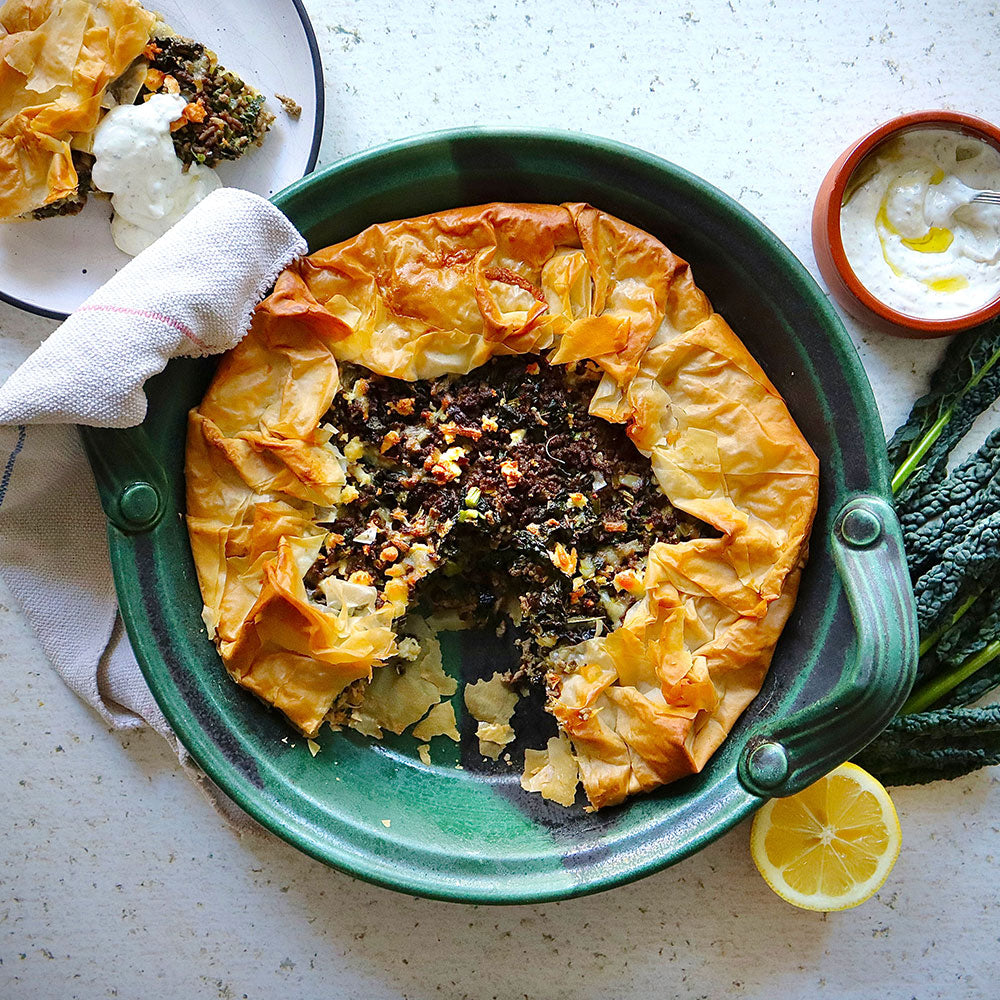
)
(408, 648)
(354, 449)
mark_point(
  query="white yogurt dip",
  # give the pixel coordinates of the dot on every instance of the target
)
(136, 163)
(909, 232)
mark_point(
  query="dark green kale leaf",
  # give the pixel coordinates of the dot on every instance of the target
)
(974, 631)
(966, 497)
(951, 530)
(928, 746)
(940, 590)
(965, 384)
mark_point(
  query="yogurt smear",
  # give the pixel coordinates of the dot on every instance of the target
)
(136, 163)
(910, 234)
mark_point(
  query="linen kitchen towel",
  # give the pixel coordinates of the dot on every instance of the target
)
(190, 294)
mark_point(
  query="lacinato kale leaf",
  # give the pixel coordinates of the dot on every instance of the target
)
(965, 384)
(951, 530)
(975, 687)
(974, 631)
(945, 743)
(939, 591)
(967, 496)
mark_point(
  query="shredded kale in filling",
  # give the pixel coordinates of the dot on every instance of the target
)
(496, 493)
(231, 116)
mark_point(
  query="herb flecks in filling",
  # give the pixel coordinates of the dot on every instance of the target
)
(224, 116)
(496, 493)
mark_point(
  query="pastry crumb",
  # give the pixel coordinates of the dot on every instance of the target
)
(553, 771)
(292, 107)
(491, 703)
(439, 721)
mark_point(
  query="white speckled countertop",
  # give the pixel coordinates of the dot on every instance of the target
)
(119, 880)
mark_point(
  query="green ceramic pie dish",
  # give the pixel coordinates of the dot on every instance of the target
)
(461, 828)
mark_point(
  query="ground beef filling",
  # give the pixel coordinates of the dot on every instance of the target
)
(498, 496)
(225, 116)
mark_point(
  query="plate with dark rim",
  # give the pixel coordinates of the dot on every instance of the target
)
(461, 827)
(51, 266)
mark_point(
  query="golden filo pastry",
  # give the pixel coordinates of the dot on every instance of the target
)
(641, 704)
(57, 60)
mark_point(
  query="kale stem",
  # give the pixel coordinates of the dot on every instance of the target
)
(924, 445)
(931, 641)
(978, 376)
(908, 467)
(934, 690)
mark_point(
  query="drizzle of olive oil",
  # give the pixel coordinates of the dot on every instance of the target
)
(947, 285)
(883, 225)
(936, 240)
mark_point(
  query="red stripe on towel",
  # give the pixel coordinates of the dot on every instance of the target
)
(146, 314)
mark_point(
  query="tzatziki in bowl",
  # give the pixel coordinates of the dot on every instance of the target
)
(897, 236)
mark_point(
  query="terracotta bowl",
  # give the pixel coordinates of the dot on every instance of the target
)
(828, 246)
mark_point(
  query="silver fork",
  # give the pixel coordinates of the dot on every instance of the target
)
(987, 198)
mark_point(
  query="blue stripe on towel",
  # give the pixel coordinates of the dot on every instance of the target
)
(9, 467)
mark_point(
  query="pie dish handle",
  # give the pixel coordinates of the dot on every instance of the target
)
(783, 756)
(131, 483)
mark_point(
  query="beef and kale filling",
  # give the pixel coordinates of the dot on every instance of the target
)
(496, 493)
(224, 116)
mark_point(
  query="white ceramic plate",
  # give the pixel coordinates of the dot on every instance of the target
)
(50, 266)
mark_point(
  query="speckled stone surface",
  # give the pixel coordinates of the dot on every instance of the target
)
(117, 879)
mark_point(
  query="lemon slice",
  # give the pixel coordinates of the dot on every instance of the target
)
(831, 846)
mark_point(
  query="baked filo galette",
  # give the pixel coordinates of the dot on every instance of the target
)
(522, 415)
